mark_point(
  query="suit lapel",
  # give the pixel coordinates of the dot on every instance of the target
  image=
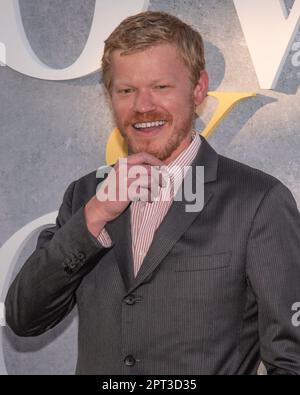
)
(120, 232)
(177, 220)
(175, 223)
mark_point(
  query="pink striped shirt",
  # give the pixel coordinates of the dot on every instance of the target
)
(147, 216)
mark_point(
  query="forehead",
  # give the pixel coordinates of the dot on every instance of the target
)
(157, 62)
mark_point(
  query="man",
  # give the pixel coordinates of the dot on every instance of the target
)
(160, 289)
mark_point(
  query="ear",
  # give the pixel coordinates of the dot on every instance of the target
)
(201, 88)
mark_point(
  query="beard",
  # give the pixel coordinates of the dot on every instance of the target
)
(161, 146)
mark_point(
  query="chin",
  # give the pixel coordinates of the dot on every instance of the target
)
(136, 150)
(161, 147)
(158, 153)
(152, 147)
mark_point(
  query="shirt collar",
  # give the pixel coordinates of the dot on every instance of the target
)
(187, 156)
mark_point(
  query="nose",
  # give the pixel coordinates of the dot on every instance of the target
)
(144, 101)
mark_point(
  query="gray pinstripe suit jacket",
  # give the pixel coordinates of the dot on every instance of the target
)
(214, 294)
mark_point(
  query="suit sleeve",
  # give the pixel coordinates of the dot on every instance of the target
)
(273, 270)
(43, 292)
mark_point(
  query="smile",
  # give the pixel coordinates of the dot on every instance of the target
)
(149, 125)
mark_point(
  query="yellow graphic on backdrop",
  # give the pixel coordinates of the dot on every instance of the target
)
(116, 146)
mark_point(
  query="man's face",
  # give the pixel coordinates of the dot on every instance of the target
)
(153, 101)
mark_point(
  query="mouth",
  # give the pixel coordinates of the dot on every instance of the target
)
(149, 127)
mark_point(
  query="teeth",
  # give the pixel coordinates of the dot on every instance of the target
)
(146, 125)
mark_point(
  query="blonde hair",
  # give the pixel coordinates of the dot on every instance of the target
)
(147, 29)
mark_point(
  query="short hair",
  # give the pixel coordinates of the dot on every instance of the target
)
(147, 29)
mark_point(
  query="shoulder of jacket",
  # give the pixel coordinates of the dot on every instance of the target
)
(247, 175)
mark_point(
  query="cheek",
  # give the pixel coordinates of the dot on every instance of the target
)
(121, 110)
(178, 104)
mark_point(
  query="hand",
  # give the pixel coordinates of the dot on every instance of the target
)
(121, 187)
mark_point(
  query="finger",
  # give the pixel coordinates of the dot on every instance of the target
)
(136, 171)
(144, 158)
(146, 180)
(143, 183)
(139, 194)
(161, 175)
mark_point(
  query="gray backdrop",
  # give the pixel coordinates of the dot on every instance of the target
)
(54, 132)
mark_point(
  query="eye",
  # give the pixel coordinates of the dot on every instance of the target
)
(125, 91)
(161, 87)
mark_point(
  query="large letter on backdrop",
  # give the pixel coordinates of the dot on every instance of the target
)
(9, 254)
(269, 31)
(20, 56)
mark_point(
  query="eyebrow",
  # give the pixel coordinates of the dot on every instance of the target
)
(162, 80)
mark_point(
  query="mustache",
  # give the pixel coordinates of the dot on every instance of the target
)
(149, 117)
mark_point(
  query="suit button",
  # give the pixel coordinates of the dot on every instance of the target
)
(73, 263)
(67, 261)
(130, 299)
(80, 255)
(129, 360)
(68, 265)
(68, 270)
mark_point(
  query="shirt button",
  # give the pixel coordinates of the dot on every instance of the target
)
(141, 253)
(129, 360)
